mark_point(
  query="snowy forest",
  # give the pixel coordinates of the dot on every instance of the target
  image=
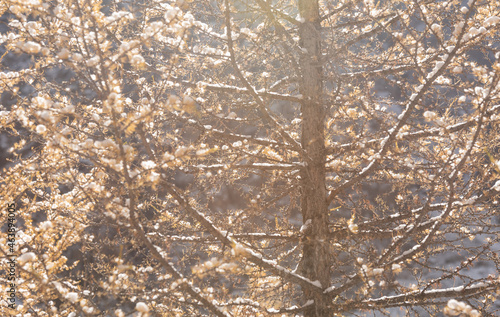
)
(249, 158)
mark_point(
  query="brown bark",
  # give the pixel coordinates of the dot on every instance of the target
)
(315, 262)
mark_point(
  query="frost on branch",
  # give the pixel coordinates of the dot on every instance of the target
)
(251, 158)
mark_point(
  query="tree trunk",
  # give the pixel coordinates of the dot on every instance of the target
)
(315, 262)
